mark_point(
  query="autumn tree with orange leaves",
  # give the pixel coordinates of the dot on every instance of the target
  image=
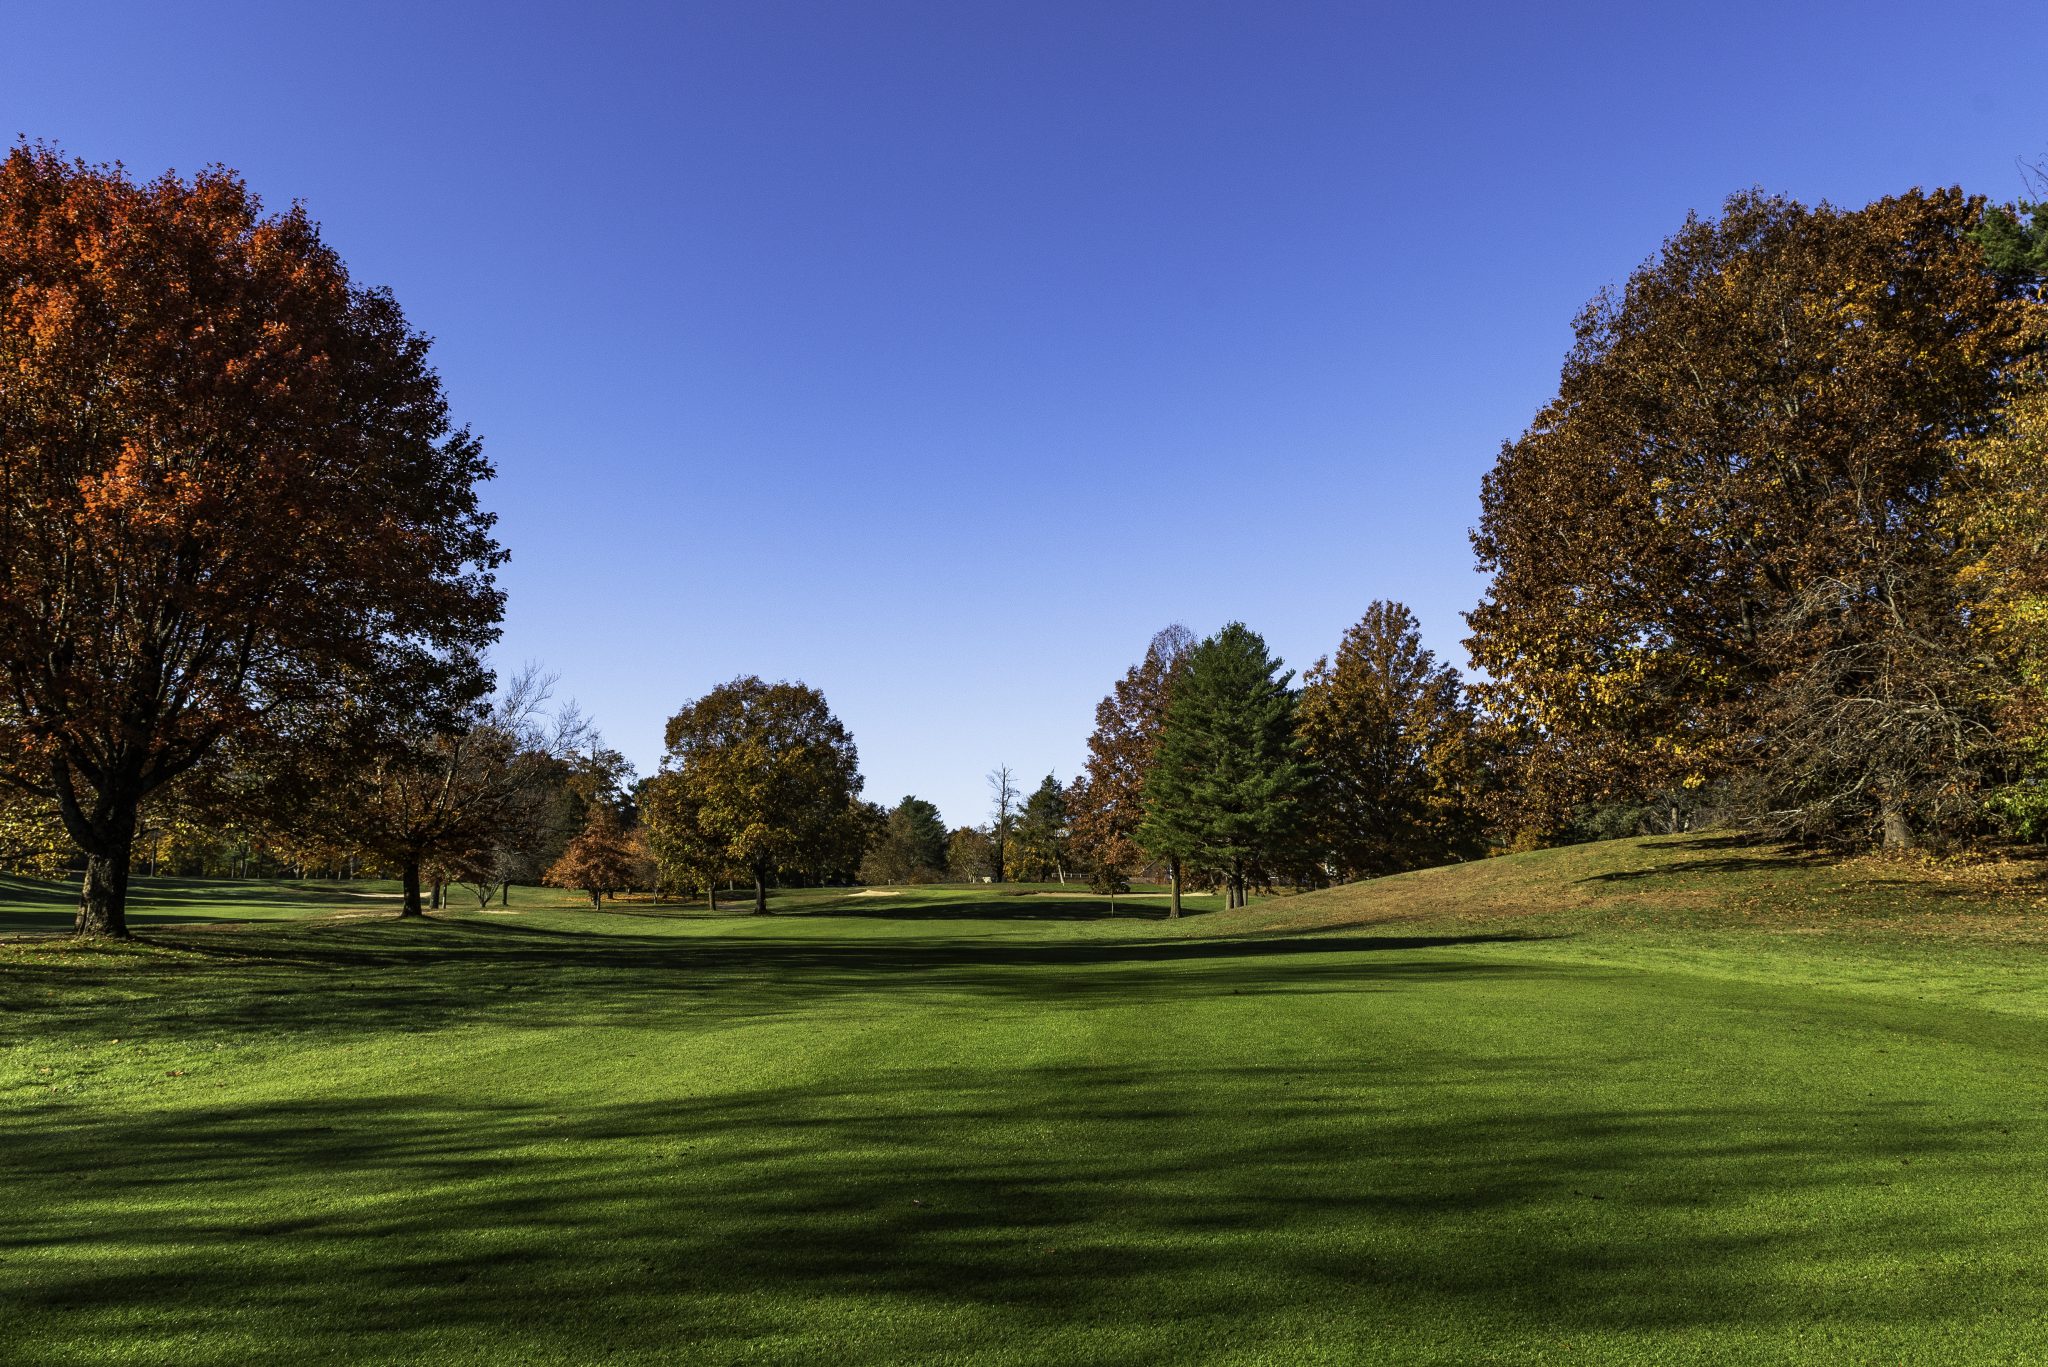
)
(233, 496)
(600, 860)
(1108, 801)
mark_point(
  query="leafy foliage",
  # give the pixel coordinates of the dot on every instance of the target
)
(601, 859)
(970, 855)
(770, 780)
(1108, 804)
(1041, 846)
(474, 802)
(232, 493)
(1395, 747)
(2000, 507)
(1719, 553)
(911, 847)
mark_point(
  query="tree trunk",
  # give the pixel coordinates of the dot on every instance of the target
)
(103, 897)
(1173, 869)
(1898, 834)
(711, 893)
(505, 893)
(410, 880)
(760, 892)
(596, 900)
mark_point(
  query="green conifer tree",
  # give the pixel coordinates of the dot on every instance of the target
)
(1225, 792)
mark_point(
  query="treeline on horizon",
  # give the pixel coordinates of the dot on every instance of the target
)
(1773, 557)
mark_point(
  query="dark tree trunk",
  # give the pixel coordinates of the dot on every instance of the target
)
(505, 893)
(760, 892)
(410, 879)
(596, 900)
(103, 897)
(711, 893)
(1173, 870)
(105, 834)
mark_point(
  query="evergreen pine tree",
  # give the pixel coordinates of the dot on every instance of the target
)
(1225, 792)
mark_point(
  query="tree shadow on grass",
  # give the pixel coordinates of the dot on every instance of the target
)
(1737, 854)
(366, 977)
(910, 1214)
(43, 906)
(1054, 907)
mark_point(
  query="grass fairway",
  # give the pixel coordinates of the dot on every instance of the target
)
(1652, 1101)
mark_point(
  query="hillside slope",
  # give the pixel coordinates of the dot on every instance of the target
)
(1717, 905)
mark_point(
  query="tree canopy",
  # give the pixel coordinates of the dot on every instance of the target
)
(911, 846)
(1394, 746)
(1717, 557)
(232, 493)
(1109, 804)
(770, 778)
(600, 860)
(1040, 843)
(1225, 788)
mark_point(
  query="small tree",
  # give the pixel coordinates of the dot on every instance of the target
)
(1108, 880)
(1109, 802)
(599, 861)
(457, 801)
(1002, 792)
(685, 853)
(969, 850)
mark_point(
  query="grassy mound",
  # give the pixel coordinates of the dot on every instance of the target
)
(1653, 1101)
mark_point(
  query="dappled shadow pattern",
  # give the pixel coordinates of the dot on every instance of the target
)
(35, 905)
(1024, 1206)
(366, 977)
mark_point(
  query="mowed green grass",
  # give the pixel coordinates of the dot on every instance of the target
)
(1654, 1101)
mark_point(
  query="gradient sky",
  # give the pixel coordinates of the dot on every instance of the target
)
(937, 354)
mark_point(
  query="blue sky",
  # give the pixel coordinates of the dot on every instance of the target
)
(937, 354)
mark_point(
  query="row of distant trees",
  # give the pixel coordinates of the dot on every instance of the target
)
(1208, 768)
(1776, 553)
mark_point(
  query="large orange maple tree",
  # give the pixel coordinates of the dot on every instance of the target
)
(233, 497)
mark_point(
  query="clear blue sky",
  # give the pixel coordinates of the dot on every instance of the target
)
(937, 354)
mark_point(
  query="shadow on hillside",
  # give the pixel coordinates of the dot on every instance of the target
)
(1737, 854)
(371, 976)
(1363, 1197)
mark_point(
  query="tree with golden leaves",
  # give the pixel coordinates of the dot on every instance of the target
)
(1718, 555)
(233, 495)
(2000, 504)
(768, 781)
(1393, 743)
